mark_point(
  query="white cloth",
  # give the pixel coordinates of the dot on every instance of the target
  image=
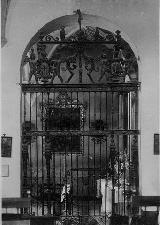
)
(104, 189)
(99, 193)
(66, 189)
(119, 197)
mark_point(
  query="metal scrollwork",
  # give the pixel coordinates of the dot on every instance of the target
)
(90, 66)
(71, 66)
(64, 101)
(73, 220)
(114, 61)
(79, 107)
(55, 70)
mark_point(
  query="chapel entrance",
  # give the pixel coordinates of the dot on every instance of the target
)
(80, 126)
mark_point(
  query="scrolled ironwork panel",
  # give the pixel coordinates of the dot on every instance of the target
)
(80, 125)
(91, 55)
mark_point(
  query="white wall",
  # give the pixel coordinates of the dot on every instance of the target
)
(138, 21)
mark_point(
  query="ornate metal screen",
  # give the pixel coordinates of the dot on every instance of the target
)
(80, 126)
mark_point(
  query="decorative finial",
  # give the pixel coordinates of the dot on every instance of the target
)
(118, 35)
(62, 33)
(118, 32)
(80, 18)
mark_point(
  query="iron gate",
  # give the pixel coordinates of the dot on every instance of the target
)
(80, 126)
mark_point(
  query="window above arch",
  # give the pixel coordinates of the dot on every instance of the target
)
(89, 55)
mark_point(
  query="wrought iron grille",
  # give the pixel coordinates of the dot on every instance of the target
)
(80, 126)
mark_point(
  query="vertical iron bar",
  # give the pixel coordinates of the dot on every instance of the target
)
(129, 172)
(30, 149)
(112, 110)
(62, 183)
(113, 173)
(94, 107)
(77, 170)
(113, 152)
(100, 177)
(106, 178)
(65, 176)
(25, 177)
(100, 109)
(48, 164)
(82, 179)
(71, 168)
(30, 111)
(82, 160)
(106, 111)
(65, 164)
(118, 145)
(89, 109)
(126, 119)
(80, 66)
(94, 174)
(54, 184)
(54, 176)
(88, 176)
(94, 141)
(124, 183)
(94, 145)
(37, 153)
(136, 110)
(24, 99)
(48, 157)
(100, 147)
(60, 176)
(121, 112)
(42, 161)
(125, 110)
(129, 147)
(77, 185)
(106, 174)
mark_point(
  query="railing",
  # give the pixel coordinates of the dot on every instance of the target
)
(149, 209)
(15, 208)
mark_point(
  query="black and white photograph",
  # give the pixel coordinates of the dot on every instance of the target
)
(80, 112)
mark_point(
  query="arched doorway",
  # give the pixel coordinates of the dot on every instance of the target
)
(80, 124)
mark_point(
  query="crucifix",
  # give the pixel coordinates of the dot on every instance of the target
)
(80, 18)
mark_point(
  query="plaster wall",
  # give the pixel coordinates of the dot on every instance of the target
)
(138, 21)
